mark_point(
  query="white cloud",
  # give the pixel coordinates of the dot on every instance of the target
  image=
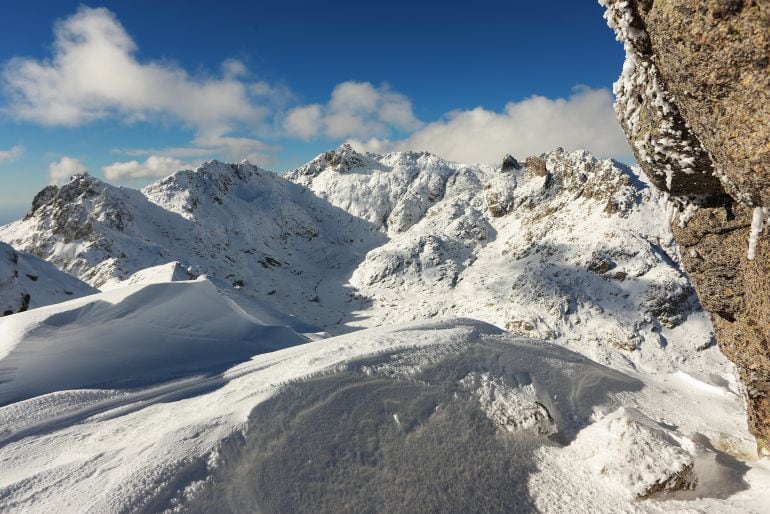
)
(355, 109)
(94, 73)
(171, 151)
(154, 166)
(60, 171)
(237, 148)
(305, 122)
(211, 145)
(12, 153)
(585, 120)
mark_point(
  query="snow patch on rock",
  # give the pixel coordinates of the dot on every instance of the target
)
(629, 449)
(27, 282)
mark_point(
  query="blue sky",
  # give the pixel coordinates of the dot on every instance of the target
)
(129, 90)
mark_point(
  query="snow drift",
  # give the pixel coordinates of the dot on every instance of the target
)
(455, 409)
(129, 338)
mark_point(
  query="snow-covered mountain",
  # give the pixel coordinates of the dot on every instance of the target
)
(563, 247)
(587, 380)
(247, 229)
(27, 282)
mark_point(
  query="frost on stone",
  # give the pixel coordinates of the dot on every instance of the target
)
(511, 409)
(659, 135)
(636, 453)
(500, 195)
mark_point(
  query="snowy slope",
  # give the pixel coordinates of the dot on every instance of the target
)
(245, 228)
(397, 392)
(27, 282)
(565, 247)
(129, 337)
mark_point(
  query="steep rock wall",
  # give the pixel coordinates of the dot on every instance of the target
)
(694, 101)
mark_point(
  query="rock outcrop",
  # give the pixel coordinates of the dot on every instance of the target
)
(694, 101)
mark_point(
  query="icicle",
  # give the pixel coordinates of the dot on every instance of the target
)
(756, 229)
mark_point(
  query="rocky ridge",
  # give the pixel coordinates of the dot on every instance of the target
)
(560, 247)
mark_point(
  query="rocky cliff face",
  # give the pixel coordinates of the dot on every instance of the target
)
(694, 100)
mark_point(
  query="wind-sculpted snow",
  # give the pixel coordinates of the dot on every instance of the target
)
(27, 282)
(430, 416)
(345, 441)
(133, 337)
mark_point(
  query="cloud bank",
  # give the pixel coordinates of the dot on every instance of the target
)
(585, 120)
(94, 73)
(154, 166)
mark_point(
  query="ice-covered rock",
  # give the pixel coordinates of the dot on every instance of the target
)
(511, 409)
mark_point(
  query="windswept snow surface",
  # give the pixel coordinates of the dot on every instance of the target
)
(382, 417)
(129, 338)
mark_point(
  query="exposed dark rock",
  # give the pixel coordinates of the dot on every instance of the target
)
(600, 266)
(343, 159)
(268, 262)
(43, 197)
(510, 163)
(25, 299)
(685, 480)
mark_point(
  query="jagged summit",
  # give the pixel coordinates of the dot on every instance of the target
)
(212, 181)
(342, 159)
